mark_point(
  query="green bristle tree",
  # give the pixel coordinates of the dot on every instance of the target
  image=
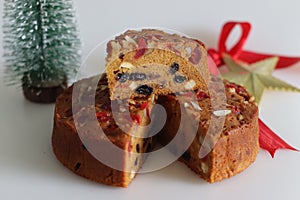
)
(41, 46)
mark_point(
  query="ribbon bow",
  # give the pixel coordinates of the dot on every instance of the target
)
(237, 52)
(268, 140)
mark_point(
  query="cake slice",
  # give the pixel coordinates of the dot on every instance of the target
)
(152, 61)
(112, 156)
(226, 139)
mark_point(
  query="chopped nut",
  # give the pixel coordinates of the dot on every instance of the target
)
(196, 106)
(126, 65)
(89, 88)
(204, 167)
(132, 173)
(131, 101)
(252, 99)
(152, 98)
(220, 113)
(133, 85)
(122, 108)
(130, 40)
(190, 84)
(231, 90)
(240, 117)
(188, 51)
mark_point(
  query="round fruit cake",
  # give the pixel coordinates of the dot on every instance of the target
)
(218, 150)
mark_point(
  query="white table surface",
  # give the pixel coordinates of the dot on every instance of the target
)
(29, 170)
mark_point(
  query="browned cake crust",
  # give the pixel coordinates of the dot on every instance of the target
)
(230, 149)
(67, 142)
(163, 62)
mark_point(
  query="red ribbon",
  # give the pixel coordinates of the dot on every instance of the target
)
(268, 140)
(237, 52)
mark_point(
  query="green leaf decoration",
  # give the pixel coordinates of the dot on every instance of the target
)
(255, 77)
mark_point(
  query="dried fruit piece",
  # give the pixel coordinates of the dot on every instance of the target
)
(137, 76)
(136, 118)
(236, 110)
(196, 56)
(179, 79)
(103, 116)
(201, 95)
(221, 113)
(144, 89)
(142, 47)
(174, 68)
(144, 105)
(122, 77)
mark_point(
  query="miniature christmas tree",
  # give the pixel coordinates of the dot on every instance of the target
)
(41, 46)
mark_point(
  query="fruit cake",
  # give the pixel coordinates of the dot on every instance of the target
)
(76, 139)
(227, 130)
(227, 133)
(152, 61)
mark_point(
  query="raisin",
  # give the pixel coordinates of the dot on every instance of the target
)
(144, 89)
(122, 77)
(179, 79)
(121, 56)
(137, 147)
(77, 166)
(174, 68)
(137, 76)
(186, 156)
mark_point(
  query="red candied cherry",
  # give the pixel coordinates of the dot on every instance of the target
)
(202, 95)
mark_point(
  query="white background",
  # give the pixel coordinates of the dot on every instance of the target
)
(29, 170)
